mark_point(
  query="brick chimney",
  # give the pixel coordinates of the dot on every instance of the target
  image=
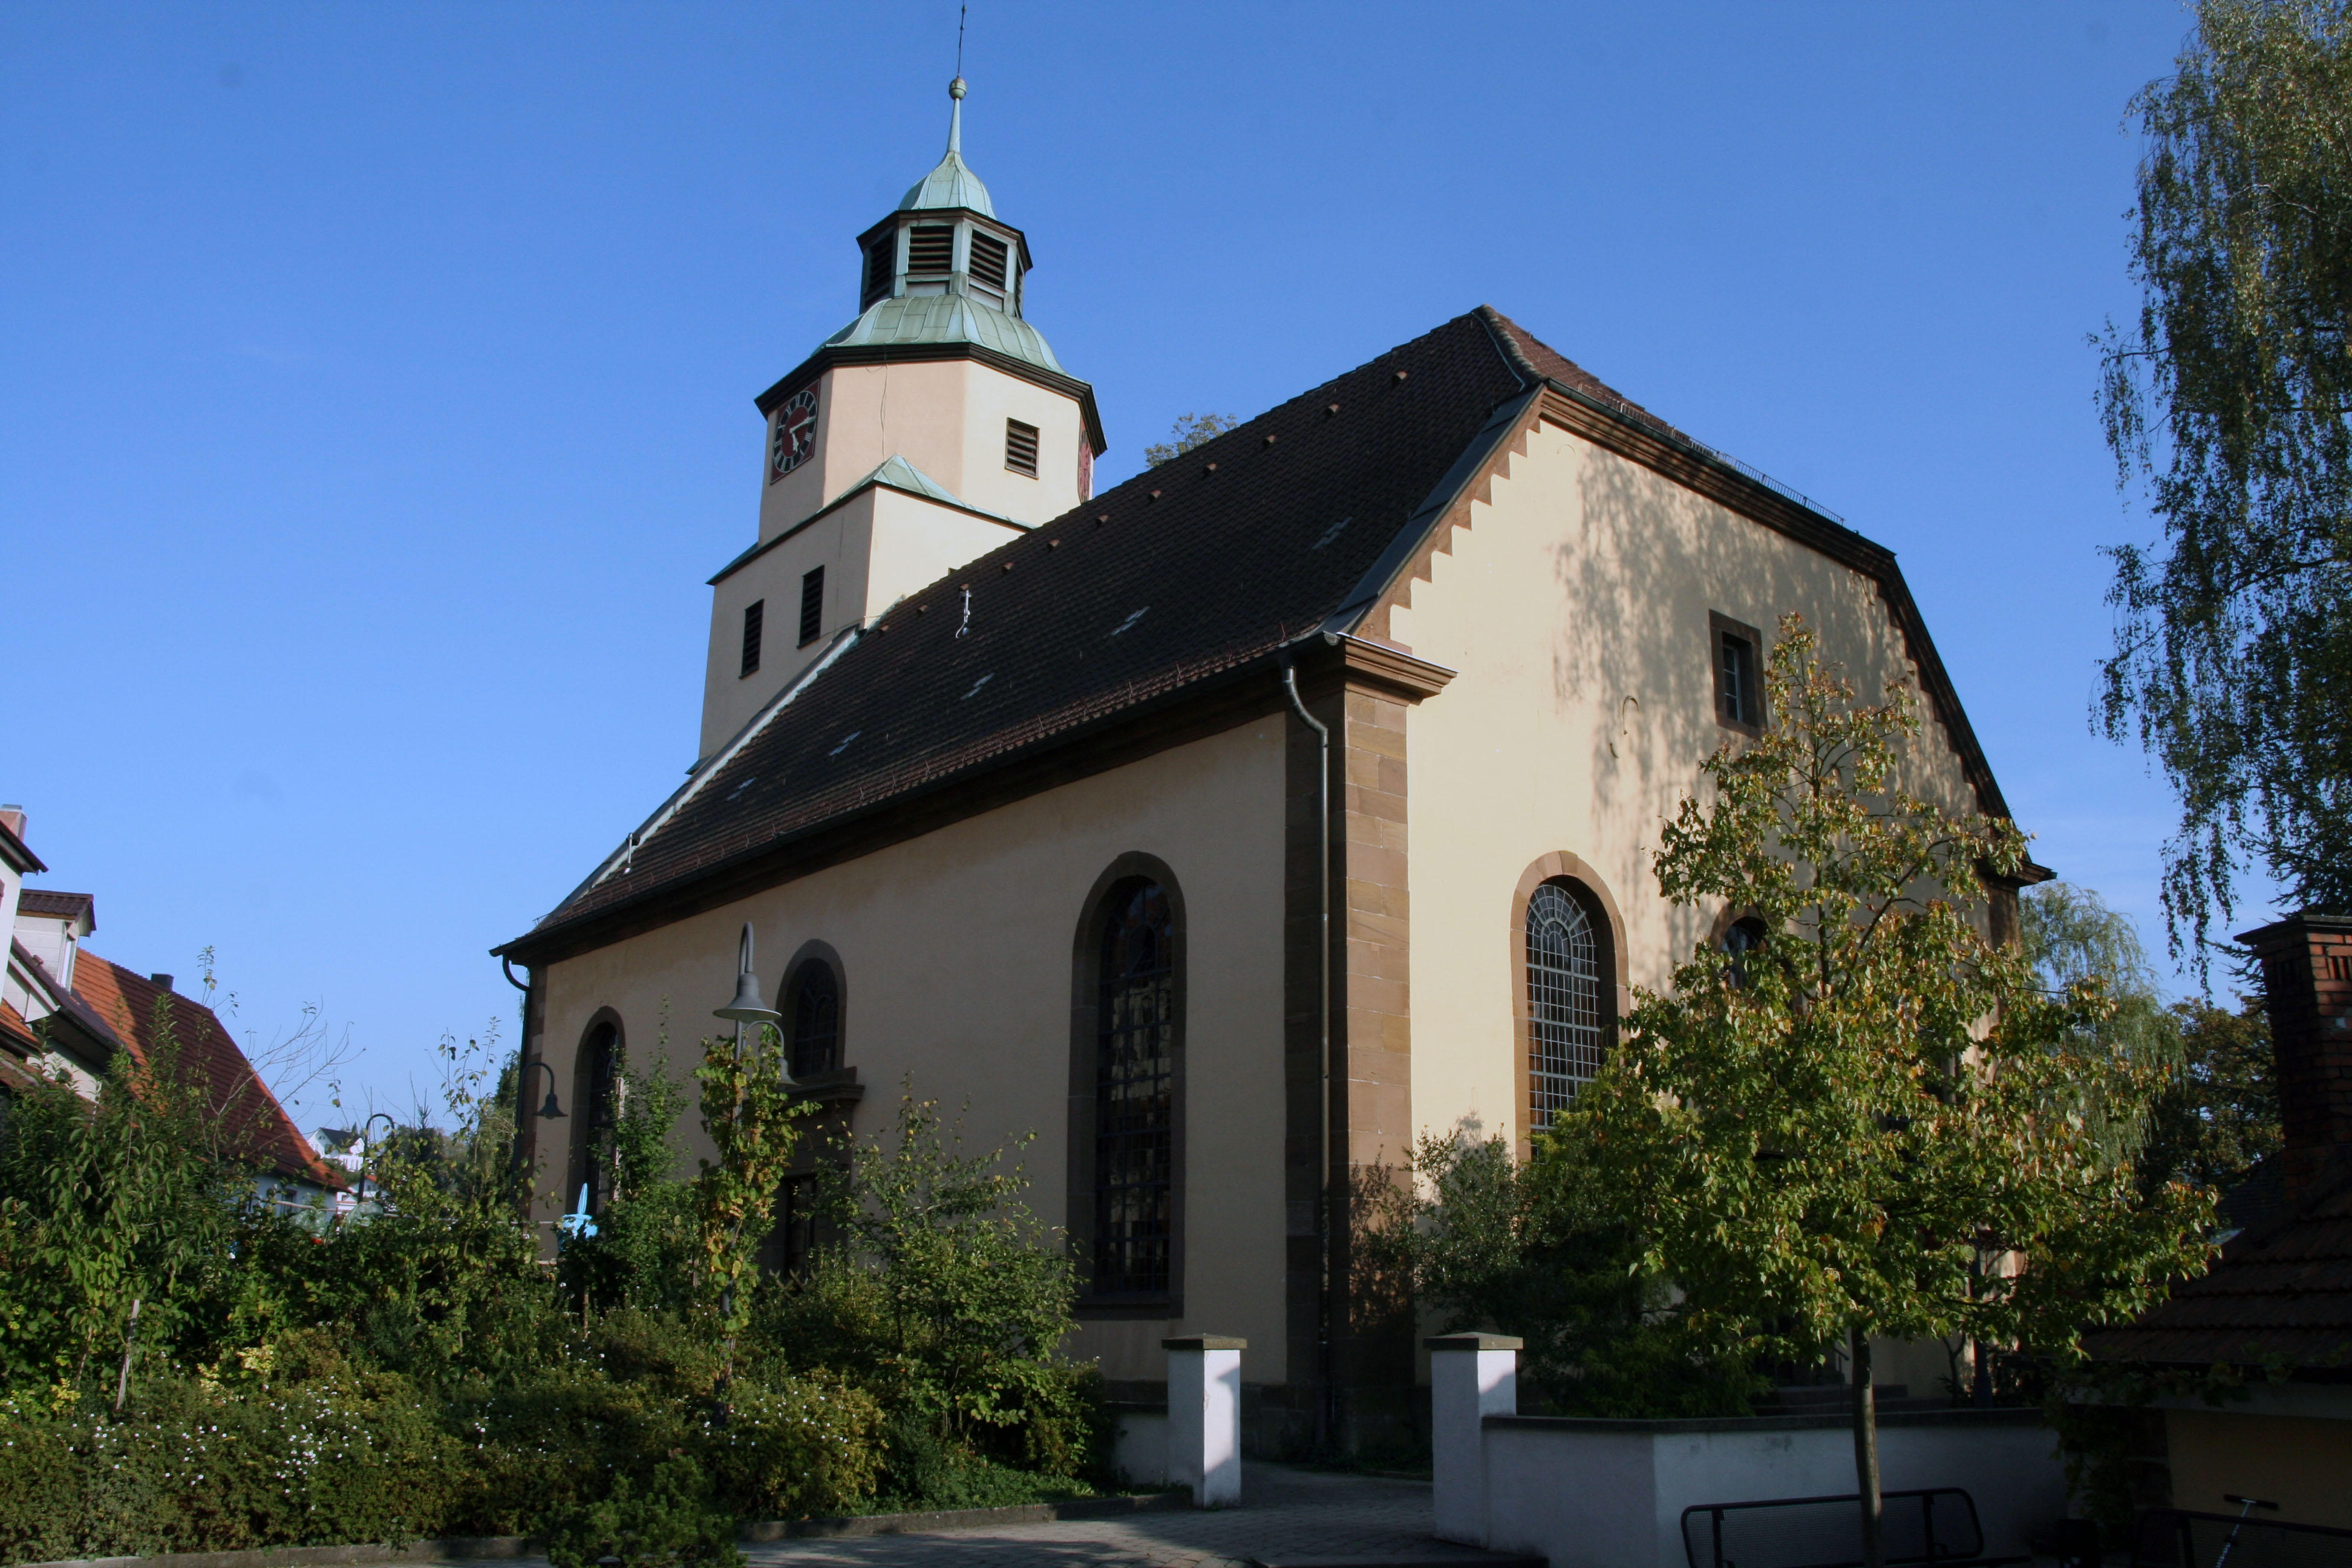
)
(2306, 963)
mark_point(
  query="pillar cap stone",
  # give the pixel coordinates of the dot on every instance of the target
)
(1475, 1343)
(1205, 1342)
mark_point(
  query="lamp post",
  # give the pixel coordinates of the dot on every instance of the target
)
(549, 1111)
(367, 1145)
(747, 1007)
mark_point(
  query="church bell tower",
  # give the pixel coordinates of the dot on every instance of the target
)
(924, 433)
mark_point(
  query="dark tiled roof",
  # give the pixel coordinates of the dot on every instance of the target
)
(234, 1093)
(1187, 572)
(56, 905)
(1195, 571)
(2281, 1292)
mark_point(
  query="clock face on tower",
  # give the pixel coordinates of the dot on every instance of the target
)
(795, 433)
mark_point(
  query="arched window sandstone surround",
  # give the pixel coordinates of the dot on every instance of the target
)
(816, 1005)
(1608, 928)
(1127, 1095)
(595, 1109)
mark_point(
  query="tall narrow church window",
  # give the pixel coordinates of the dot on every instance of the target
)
(812, 604)
(879, 255)
(1135, 1078)
(1021, 447)
(1564, 1017)
(816, 1012)
(754, 614)
(931, 250)
(596, 1100)
(1738, 675)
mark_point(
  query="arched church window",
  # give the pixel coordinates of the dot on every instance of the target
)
(1745, 937)
(1566, 1031)
(596, 1098)
(815, 1008)
(1135, 1082)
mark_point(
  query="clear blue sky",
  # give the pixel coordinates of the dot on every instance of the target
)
(379, 379)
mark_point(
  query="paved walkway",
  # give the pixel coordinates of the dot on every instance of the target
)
(1286, 1515)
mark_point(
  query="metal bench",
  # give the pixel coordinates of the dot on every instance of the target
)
(2182, 1538)
(1935, 1526)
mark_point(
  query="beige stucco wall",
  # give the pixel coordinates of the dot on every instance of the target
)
(957, 948)
(945, 416)
(1575, 608)
(2302, 1464)
(876, 548)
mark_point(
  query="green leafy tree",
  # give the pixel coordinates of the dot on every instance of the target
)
(1544, 1249)
(943, 1290)
(2219, 1115)
(749, 1114)
(128, 1199)
(1191, 430)
(2233, 654)
(1876, 1124)
(642, 1254)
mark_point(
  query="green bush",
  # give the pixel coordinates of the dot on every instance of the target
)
(806, 1447)
(195, 1467)
(664, 1521)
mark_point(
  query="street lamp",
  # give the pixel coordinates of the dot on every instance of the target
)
(748, 1007)
(366, 1144)
(549, 1110)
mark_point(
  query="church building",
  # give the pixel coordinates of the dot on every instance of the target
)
(1227, 830)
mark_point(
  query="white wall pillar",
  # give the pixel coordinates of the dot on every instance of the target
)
(1204, 1417)
(1471, 1377)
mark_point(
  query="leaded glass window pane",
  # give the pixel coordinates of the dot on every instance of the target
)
(1564, 1040)
(1135, 1080)
(816, 1019)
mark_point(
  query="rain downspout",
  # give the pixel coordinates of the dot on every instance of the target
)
(1326, 1412)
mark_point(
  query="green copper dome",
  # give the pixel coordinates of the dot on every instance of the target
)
(946, 319)
(952, 183)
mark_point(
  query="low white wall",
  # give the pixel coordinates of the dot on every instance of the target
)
(1610, 1494)
(1140, 1445)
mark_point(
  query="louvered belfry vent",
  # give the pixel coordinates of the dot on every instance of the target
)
(988, 258)
(931, 250)
(811, 605)
(878, 257)
(753, 614)
(1021, 447)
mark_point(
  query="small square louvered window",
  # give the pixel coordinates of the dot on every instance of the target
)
(988, 257)
(931, 250)
(753, 614)
(878, 257)
(1021, 447)
(811, 605)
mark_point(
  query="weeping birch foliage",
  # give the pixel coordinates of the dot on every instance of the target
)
(2227, 400)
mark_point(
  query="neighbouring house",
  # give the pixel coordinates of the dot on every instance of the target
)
(66, 1009)
(2276, 1309)
(1227, 831)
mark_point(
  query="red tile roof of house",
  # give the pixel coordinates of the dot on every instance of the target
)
(130, 1003)
(2281, 1292)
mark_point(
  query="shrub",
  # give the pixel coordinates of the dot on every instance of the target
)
(195, 1467)
(664, 1521)
(808, 1445)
